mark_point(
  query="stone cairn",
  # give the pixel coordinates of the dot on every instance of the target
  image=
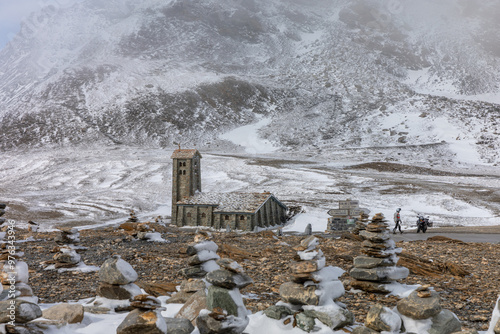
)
(360, 223)
(312, 292)
(145, 317)
(117, 279)
(15, 294)
(225, 311)
(66, 255)
(420, 312)
(423, 306)
(377, 268)
(203, 254)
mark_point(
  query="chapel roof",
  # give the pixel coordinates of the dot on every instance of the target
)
(185, 153)
(230, 202)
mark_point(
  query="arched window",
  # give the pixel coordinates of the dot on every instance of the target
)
(226, 217)
(203, 215)
(184, 172)
(180, 172)
(180, 164)
(242, 217)
(184, 164)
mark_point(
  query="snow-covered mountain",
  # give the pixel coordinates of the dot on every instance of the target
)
(399, 76)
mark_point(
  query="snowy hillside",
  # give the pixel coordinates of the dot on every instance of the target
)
(397, 76)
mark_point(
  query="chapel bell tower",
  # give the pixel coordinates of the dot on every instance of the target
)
(186, 176)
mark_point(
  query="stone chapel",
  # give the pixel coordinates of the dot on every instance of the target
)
(192, 207)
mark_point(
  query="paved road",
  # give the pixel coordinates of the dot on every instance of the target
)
(466, 237)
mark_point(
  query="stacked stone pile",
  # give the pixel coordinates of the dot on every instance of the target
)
(377, 268)
(203, 254)
(117, 279)
(66, 255)
(423, 308)
(145, 318)
(420, 312)
(360, 223)
(15, 279)
(225, 311)
(312, 292)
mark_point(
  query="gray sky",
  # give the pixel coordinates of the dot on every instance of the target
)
(13, 11)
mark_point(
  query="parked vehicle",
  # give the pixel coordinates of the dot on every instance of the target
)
(423, 223)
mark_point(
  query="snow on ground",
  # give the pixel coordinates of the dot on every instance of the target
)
(247, 137)
(90, 187)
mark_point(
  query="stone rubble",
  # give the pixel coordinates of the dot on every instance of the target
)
(377, 267)
(361, 223)
(144, 318)
(313, 291)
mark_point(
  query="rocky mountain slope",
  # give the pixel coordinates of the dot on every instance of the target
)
(357, 74)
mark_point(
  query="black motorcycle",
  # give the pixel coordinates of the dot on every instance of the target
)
(423, 223)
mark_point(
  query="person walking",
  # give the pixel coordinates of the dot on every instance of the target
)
(397, 221)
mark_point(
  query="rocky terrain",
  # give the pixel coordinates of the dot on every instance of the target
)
(466, 275)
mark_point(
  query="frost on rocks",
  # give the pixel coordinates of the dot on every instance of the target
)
(312, 292)
(117, 271)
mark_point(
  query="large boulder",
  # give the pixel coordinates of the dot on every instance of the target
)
(68, 313)
(445, 322)
(418, 308)
(20, 311)
(294, 293)
(220, 297)
(144, 322)
(117, 271)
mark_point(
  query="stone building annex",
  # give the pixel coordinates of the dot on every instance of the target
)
(191, 207)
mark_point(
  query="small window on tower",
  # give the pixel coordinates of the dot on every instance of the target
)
(226, 217)
(184, 164)
(180, 172)
(180, 164)
(242, 217)
(203, 215)
(184, 172)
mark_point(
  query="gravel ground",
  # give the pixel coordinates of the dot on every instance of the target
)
(266, 258)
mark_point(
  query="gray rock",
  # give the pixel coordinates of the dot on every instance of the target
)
(23, 311)
(207, 256)
(192, 285)
(375, 321)
(220, 297)
(278, 312)
(117, 271)
(193, 306)
(371, 262)
(231, 325)
(114, 291)
(228, 279)
(334, 318)
(445, 322)
(193, 272)
(294, 293)
(308, 230)
(230, 265)
(69, 313)
(381, 274)
(144, 322)
(179, 326)
(304, 322)
(364, 330)
(375, 237)
(419, 308)
(24, 329)
(71, 257)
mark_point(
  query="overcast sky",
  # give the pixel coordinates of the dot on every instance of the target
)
(13, 11)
